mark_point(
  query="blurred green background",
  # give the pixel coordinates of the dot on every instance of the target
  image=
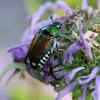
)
(13, 15)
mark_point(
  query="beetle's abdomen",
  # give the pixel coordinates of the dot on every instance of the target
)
(39, 62)
(41, 51)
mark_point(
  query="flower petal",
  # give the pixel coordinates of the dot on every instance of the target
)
(84, 87)
(20, 54)
(28, 69)
(45, 77)
(72, 49)
(71, 74)
(91, 86)
(55, 62)
(84, 40)
(66, 91)
(57, 75)
(62, 5)
(69, 16)
(58, 68)
(18, 46)
(88, 78)
(59, 19)
(36, 17)
(96, 92)
(84, 4)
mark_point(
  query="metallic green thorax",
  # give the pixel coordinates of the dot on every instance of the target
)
(51, 29)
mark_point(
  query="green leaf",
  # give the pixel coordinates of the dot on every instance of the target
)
(12, 66)
(88, 95)
(76, 92)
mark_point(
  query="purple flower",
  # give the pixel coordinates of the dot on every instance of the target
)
(28, 69)
(18, 46)
(71, 74)
(58, 68)
(66, 91)
(62, 5)
(69, 16)
(65, 76)
(31, 31)
(19, 52)
(56, 62)
(96, 92)
(84, 4)
(88, 78)
(72, 49)
(84, 87)
(36, 17)
(57, 74)
(45, 78)
(83, 40)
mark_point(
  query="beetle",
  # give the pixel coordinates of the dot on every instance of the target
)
(42, 46)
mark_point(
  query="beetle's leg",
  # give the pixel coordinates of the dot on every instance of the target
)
(51, 72)
(25, 60)
(63, 36)
(59, 55)
(51, 69)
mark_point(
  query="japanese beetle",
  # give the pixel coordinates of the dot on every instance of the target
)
(42, 46)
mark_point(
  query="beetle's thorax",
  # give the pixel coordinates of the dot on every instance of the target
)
(50, 30)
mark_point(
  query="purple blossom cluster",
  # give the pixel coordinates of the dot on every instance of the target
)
(20, 51)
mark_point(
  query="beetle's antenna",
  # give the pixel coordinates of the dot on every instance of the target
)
(51, 17)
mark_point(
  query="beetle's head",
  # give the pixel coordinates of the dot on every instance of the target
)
(57, 24)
